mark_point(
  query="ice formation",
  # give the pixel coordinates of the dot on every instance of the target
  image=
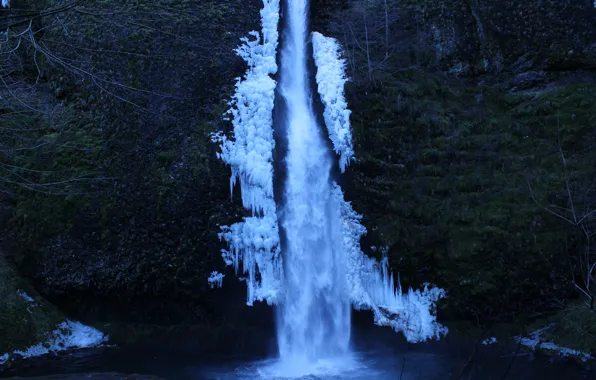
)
(324, 268)
(6, 3)
(68, 335)
(331, 78)
(371, 286)
(215, 280)
(254, 243)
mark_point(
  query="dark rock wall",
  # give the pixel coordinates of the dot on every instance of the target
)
(456, 109)
(143, 84)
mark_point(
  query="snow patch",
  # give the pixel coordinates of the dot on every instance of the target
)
(373, 287)
(31, 304)
(534, 342)
(68, 335)
(25, 296)
(489, 341)
(215, 279)
(255, 241)
(331, 78)
(564, 351)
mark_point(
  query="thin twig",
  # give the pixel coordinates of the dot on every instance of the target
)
(512, 360)
(403, 365)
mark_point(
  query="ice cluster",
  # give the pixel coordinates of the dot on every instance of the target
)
(372, 286)
(254, 243)
(331, 78)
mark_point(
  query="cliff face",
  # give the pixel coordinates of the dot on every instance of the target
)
(463, 112)
(135, 90)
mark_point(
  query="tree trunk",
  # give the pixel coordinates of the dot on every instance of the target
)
(386, 30)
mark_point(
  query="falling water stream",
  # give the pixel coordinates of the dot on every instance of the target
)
(314, 316)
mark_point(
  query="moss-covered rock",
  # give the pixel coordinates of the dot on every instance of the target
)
(573, 327)
(456, 111)
(149, 85)
(25, 318)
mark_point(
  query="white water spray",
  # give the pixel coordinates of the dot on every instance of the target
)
(314, 317)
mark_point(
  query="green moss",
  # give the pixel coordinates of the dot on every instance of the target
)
(54, 183)
(460, 208)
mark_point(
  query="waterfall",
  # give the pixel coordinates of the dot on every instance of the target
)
(314, 317)
(300, 250)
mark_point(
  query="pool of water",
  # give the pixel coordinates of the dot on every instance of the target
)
(377, 354)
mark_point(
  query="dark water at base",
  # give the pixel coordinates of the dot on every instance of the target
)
(378, 354)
